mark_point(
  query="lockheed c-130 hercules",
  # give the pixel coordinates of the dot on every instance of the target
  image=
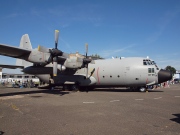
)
(80, 71)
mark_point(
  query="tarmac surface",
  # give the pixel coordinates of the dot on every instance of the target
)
(32, 111)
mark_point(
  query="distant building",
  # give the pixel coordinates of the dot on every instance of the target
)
(177, 74)
(0, 73)
(17, 77)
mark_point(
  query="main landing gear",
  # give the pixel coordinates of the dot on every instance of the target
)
(73, 87)
(76, 87)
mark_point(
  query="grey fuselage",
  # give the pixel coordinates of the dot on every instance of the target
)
(132, 71)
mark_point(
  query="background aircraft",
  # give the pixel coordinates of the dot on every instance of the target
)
(74, 71)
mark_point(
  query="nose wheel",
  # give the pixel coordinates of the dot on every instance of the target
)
(142, 89)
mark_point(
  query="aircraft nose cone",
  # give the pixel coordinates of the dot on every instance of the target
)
(164, 75)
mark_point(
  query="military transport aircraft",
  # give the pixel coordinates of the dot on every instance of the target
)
(80, 71)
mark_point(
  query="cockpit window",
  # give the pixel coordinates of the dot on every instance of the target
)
(148, 62)
(157, 67)
(154, 63)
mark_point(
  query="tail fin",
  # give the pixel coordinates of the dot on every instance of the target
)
(26, 44)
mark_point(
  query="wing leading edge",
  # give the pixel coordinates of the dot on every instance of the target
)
(14, 52)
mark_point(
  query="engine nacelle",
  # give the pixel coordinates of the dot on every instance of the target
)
(42, 70)
(38, 57)
(73, 63)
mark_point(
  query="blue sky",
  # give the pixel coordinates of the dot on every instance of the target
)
(126, 28)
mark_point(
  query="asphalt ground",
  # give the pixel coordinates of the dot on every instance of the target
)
(32, 111)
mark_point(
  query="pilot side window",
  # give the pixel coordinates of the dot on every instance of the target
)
(152, 70)
(149, 70)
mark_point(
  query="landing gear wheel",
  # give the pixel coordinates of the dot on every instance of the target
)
(142, 89)
(70, 87)
(66, 87)
(86, 88)
(81, 88)
(74, 87)
(134, 89)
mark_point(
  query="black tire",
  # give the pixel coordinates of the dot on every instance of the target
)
(86, 88)
(142, 89)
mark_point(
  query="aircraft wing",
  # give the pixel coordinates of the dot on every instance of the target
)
(14, 52)
(11, 66)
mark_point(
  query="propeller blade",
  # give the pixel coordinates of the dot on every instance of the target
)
(92, 62)
(86, 49)
(56, 38)
(92, 72)
(55, 66)
(86, 71)
(43, 49)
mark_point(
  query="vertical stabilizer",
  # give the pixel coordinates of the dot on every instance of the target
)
(25, 44)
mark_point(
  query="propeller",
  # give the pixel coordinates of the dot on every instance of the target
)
(86, 45)
(86, 60)
(55, 53)
(56, 38)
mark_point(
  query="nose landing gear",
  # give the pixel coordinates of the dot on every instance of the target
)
(142, 89)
